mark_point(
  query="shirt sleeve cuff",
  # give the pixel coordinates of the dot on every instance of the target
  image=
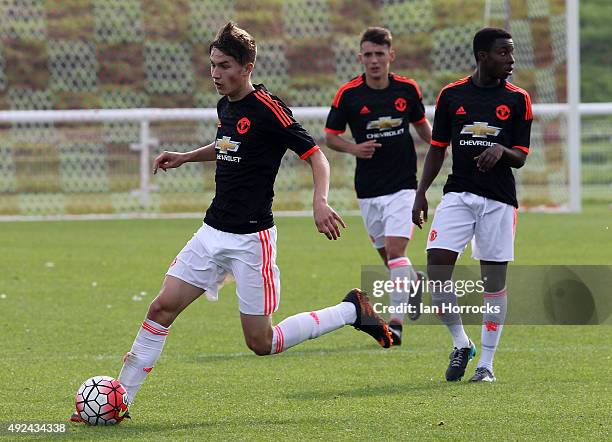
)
(439, 143)
(523, 148)
(334, 131)
(421, 121)
(309, 152)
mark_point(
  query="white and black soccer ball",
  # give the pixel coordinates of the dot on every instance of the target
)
(101, 400)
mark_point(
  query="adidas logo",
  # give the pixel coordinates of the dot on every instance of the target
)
(364, 110)
(460, 111)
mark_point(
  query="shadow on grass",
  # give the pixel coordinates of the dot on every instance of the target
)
(289, 354)
(130, 429)
(369, 391)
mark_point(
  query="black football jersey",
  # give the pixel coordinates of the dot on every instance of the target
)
(253, 134)
(473, 119)
(382, 115)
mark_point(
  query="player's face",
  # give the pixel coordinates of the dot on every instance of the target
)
(499, 61)
(229, 76)
(376, 59)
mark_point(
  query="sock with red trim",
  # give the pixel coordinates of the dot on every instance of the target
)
(141, 359)
(309, 325)
(400, 269)
(496, 305)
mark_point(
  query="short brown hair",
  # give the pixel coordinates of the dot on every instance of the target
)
(377, 35)
(235, 42)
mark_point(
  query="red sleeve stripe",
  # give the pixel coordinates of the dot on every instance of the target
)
(351, 84)
(523, 148)
(528, 111)
(274, 107)
(421, 121)
(309, 152)
(456, 83)
(409, 81)
(333, 131)
(439, 143)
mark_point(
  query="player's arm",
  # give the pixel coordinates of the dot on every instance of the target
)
(500, 154)
(336, 122)
(326, 219)
(439, 141)
(363, 150)
(515, 155)
(171, 160)
(433, 163)
(423, 129)
(417, 115)
(293, 135)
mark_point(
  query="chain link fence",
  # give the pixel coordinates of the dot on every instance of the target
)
(121, 54)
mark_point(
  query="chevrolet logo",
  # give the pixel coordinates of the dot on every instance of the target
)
(226, 144)
(384, 123)
(480, 129)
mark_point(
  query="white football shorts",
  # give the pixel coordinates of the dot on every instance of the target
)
(250, 258)
(464, 217)
(388, 215)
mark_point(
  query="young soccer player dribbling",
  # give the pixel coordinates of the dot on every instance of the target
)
(238, 235)
(379, 107)
(488, 121)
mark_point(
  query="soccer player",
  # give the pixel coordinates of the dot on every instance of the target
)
(379, 107)
(488, 121)
(238, 235)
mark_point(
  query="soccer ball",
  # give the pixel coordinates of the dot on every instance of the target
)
(101, 400)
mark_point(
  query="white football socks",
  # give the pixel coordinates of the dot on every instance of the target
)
(452, 320)
(492, 325)
(400, 269)
(309, 325)
(141, 359)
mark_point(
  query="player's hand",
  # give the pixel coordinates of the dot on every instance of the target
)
(366, 149)
(419, 210)
(327, 220)
(489, 158)
(168, 160)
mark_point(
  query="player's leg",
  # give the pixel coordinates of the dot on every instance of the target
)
(400, 266)
(451, 230)
(371, 213)
(174, 296)
(257, 330)
(258, 289)
(263, 339)
(395, 214)
(493, 245)
(496, 305)
(401, 272)
(400, 269)
(190, 274)
(383, 254)
(355, 310)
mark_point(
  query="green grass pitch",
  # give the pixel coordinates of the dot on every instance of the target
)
(68, 313)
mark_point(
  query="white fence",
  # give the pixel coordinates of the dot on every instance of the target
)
(51, 159)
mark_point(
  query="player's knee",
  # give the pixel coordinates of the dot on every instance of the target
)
(395, 248)
(161, 311)
(393, 253)
(259, 345)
